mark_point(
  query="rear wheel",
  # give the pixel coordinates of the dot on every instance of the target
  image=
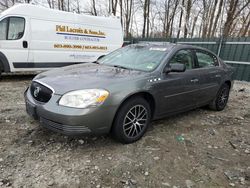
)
(220, 102)
(132, 120)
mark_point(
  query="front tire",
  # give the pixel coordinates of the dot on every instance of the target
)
(220, 102)
(132, 120)
(1, 69)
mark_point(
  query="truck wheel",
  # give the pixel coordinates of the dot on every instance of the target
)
(131, 121)
(1, 69)
(220, 102)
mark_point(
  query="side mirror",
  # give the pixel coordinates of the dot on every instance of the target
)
(176, 67)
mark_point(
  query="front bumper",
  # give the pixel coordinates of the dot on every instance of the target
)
(70, 121)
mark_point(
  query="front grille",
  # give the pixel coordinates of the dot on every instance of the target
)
(65, 129)
(40, 92)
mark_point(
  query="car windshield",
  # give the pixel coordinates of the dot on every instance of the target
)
(143, 58)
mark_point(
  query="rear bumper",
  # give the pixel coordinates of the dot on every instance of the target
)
(70, 121)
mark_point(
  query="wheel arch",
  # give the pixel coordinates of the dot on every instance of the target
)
(145, 95)
(228, 82)
(4, 63)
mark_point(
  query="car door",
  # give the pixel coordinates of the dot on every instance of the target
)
(177, 90)
(13, 41)
(210, 76)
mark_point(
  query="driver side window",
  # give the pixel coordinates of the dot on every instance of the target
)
(183, 57)
(12, 28)
(3, 29)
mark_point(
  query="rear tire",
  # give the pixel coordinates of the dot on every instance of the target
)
(220, 102)
(131, 121)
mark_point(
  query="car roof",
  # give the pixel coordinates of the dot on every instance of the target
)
(170, 46)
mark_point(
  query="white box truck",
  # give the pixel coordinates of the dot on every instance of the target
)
(34, 38)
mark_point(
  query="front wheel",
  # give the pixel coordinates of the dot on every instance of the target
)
(132, 120)
(1, 69)
(220, 102)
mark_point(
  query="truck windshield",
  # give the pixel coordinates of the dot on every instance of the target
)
(137, 57)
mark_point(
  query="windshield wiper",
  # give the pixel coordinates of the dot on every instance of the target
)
(96, 62)
(121, 67)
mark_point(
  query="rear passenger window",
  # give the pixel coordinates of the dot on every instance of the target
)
(206, 59)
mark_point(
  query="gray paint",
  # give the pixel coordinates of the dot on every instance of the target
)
(172, 92)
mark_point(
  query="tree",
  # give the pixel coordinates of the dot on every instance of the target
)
(94, 12)
(127, 10)
(146, 8)
(188, 10)
(113, 5)
(217, 18)
(180, 20)
(211, 18)
(245, 26)
(232, 14)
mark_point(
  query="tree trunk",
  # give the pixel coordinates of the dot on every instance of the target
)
(144, 18)
(230, 14)
(194, 24)
(246, 32)
(59, 4)
(179, 29)
(172, 17)
(129, 4)
(114, 6)
(148, 8)
(121, 12)
(166, 18)
(78, 6)
(212, 18)
(94, 8)
(245, 26)
(217, 18)
(188, 10)
(206, 6)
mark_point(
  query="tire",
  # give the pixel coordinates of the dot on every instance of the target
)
(131, 121)
(1, 70)
(220, 102)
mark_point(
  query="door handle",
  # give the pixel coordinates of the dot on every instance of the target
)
(194, 80)
(25, 44)
(217, 76)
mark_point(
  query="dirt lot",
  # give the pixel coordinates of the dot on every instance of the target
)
(201, 148)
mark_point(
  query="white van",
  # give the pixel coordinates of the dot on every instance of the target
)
(34, 38)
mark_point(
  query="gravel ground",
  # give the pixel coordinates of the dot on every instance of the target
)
(200, 148)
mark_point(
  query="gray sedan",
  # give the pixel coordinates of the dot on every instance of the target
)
(122, 92)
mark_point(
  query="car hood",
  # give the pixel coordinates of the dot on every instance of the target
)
(86, 76)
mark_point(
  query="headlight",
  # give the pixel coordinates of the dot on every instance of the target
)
(84, 98)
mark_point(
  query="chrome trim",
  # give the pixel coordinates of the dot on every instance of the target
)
(167, 96)
(246, 43)
(46, 85)
(193, 42)
(237, 62)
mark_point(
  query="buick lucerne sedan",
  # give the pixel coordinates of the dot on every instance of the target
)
(122, 92)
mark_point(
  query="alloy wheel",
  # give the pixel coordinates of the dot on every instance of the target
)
(223, 97)
(135, 121)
